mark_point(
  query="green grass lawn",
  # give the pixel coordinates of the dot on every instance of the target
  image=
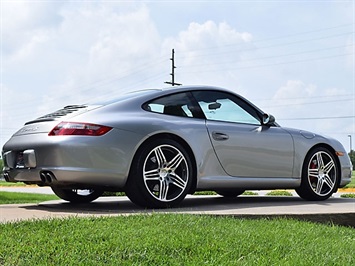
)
(175, 239)
(15, 198)
(10, 184)
(172, 239)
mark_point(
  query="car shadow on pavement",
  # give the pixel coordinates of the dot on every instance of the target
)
(338, 211)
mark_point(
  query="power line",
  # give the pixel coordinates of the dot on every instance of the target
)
(105, 81)
(297, 98)
(265, 47)
(274, 56)
(306, 103)
(275, 38)
(318, 118)
(266, 65)
(306, 32)
(90, 86)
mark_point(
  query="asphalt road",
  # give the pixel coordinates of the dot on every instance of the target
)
(334, 210)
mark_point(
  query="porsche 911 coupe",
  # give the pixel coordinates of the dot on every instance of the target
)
(157, 146)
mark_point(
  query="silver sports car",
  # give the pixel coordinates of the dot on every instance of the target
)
(160, 145)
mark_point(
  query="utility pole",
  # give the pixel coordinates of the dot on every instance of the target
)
(172, 82)
(351, 144)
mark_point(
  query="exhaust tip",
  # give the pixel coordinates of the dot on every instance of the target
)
(43, 177)
(47, 177)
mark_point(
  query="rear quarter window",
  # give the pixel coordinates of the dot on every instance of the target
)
(178, 104)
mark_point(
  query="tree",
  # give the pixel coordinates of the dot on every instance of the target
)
(1, 167)
(352, 158)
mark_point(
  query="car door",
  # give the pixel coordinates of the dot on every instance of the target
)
(245, 147)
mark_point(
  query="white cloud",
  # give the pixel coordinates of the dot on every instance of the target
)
(35, 39)
(123, 40)
(107, 51)
(350, 51)
(206, 36)
(305, 106)
(296, 99)
(296, 91)
(12, 110)
(199, 36)
(91, 43)
(26, 23)
(201, 50)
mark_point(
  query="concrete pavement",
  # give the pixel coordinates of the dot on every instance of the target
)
(28, 189)
(335, 210)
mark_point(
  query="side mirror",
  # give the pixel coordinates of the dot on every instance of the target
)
(214, 106)
(268, 119)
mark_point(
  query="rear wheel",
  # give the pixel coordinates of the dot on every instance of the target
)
(77, 195)
(320, 175)
(161, 175)
(230, 193)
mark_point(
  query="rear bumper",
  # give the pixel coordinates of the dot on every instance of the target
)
(346, 170)
(68, 177)
(70, 161)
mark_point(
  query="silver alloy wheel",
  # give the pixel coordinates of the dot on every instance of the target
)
(165, 173)
(322, 173)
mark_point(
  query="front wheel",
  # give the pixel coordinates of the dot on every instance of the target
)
(77, 195)
(320, 175)
(161, 175)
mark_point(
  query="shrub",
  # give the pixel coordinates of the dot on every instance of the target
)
(250, 193)
(279, 193)
(348, 195)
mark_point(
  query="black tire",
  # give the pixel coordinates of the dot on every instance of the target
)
(320, 175)
(161, 175)
(77, 195)
(230, 193)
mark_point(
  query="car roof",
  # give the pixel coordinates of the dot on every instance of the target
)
(155, 93)
(133, 100)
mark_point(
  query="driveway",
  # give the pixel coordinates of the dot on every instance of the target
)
(334, 210)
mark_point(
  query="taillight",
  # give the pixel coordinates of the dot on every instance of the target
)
(78, 129)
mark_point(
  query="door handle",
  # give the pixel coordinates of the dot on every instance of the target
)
(219, 136)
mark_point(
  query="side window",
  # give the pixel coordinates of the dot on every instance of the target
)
(220, 106)
(178, 104)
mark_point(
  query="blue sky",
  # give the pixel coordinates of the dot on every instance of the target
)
(294, 59)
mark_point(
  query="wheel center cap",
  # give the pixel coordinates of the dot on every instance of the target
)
(321, 173)
(163, 173)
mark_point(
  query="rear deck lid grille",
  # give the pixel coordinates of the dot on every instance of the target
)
(67, 111)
